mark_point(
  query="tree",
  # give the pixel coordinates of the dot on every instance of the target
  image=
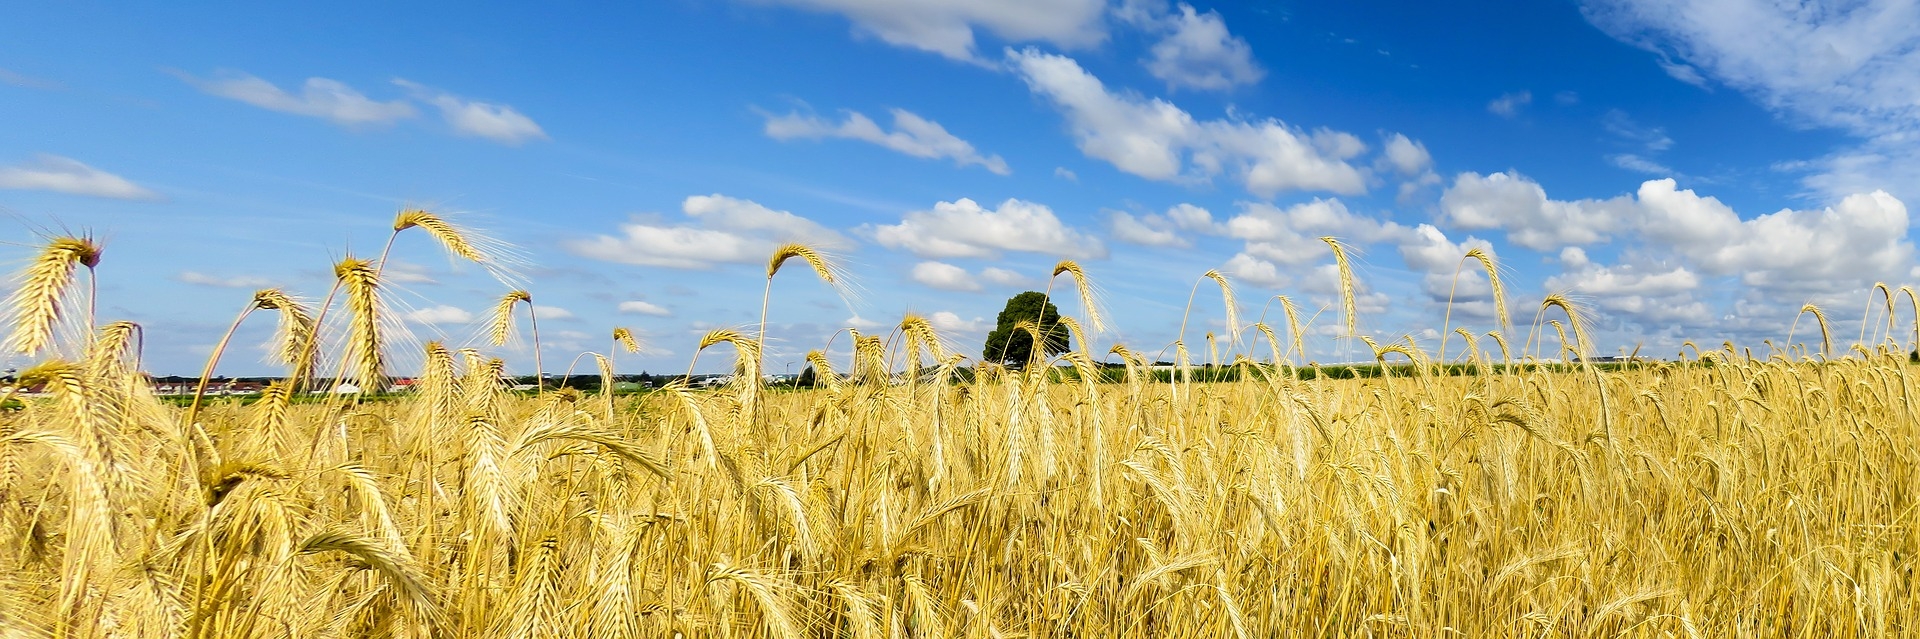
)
(1014, 346)
(807, 378)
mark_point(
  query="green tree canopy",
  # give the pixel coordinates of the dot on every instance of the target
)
(1014, 346)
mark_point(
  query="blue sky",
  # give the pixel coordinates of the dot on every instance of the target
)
(1690, 170)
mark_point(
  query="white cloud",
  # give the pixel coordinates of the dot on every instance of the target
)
(1145, 230)
(66, 175)
(319, 97)
(735, 214)
(1517, 205)
(1427, 250)
(1252, 270)
(726, 230)
(497, 122)
(441, 314)
(403, 272)
(1065, 173)
(637, 307)
(1638, 164)
(551, 312)
(1625, 279)
(1195, 50)
(947, 27)
(1623, 126)
(1509, 104)
(1861, 239)
(944, 276)
(1408, 158)
(1291, 235)
(1779, 258)
(1406, 155)
(1154, 139)
(947, 323)
(1004, 277)
(1191, 218)
(235, 281)
(911, 134)
(963, 228)
(1856, 71)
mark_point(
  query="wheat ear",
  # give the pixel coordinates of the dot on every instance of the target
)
(34, 309)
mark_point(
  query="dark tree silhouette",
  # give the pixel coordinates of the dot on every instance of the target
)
(1014, 346)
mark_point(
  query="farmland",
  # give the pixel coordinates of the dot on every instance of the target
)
(1715, 495)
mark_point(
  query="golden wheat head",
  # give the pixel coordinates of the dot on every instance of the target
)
(502, 326)
(1346, 281)
(293, 333)
(34, 309)
(361, 281)
(624, 337)
(1089, 303)
(1493, 280)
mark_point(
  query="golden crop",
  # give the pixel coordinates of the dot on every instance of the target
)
(1718, 496)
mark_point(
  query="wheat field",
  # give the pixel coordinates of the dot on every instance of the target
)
(1719, 495)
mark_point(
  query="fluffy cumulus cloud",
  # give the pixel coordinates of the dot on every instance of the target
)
(963, 228)
(1520, 207)
(496, 122)
(1004, 277)
(1859, 72)
(1195, 50)
(1673, 242)
(912, 135)
(1145, 230)
(638, 307)
(438, 315)
(721, 230)
(952, 325)
(1252, 270)
(1860, 239)
(1408, 158)
(1648, 292)
(1155, 229)
(1155, 139)
(1429, 251)
(944, 276)
(318, 97)
(947, 27)
(67, 175)
(1291, 235)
